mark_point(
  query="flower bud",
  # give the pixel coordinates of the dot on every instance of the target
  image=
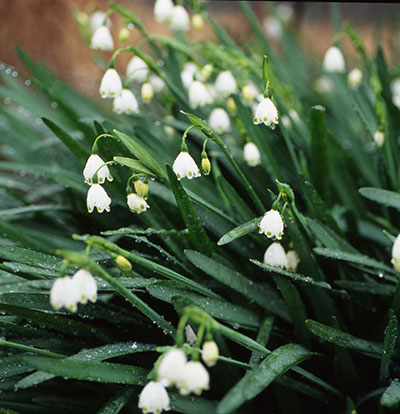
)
(123, 264)
(124, 34)
(293, 260)
(206, 71)
(354, 78)
(396, 254)
(379, 138)
(197, 21)
(334, 60)
(141, 188)
(205, 166)
(210, 353)
(82, 18)
(231, 106)
(147, 92)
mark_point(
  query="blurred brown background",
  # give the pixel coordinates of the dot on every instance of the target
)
(47, 30)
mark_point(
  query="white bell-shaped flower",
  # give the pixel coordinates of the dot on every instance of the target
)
(396, 254)
(334, 60)
(64, 294)
(86, 285)
(251, 154)
(111, 85)
(293, 260)
(163, 10)
(157, 83)
(272, 27)
(125, 103)
(154, 399)
(171, 366)
(97, 19)
(275, 256)
(210, 353)
(271, 224)
(179, 19)
(195, 379)
(199, 95)
(137, 70)
(97, 197)
(187, 79)
(219, 120)
(266, 113)
(93, 164)
(354, 78)
(136, 204)
(323, 85)
(379, 138)
(225, 84)
(102, 39)
(185, 166)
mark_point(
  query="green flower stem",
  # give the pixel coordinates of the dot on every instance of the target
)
(77, 259)
(95, 144)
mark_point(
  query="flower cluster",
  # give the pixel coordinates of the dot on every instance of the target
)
(174, 369)
(67, 292)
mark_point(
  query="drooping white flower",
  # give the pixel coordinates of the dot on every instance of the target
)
(102, 39)
(187, 79)
(163, 10)
(225, 84)
(251, 154)
(266, 113)
(219, 120)
(396, 254)
(354, 78)
(272, 27)
(86, 285)
(97, 197)
(64, 294)
(93, 163)
(185, 166)
(195, 378)
(334, 60)
(275, 256)
(199, 95)
(179, 19)
(210, 353)
(154, 398)
(293, 260)
(125, 103)
(136, 204)
(250, 92)
(285, 12)
(271, 224)
(197, 21)
(323, 85)
(379, 138)
(97, 19)
(171, 366)
(157, 83)
(111, 85)
(137, 70)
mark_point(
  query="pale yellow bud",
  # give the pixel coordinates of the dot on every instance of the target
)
(147, 92)
(124, 34)
(231, 106)
(247, 93)
(206, 166)
(141, 188)
(123, 264)
(197, 21)
(206, 71)
(210, 353)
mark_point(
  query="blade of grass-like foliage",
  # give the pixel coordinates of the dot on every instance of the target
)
(367, 287)
(344, 339)
(134, 165)
(117, 402)
(197, 234)
(389, 342)
(105, 372)
(277, 363)
(319, 167)
(73, 145)
(141, 153)
(239, 231)
(385, 197)
(191, 405)
(391, 396)
(260, 294)
(94, 354)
